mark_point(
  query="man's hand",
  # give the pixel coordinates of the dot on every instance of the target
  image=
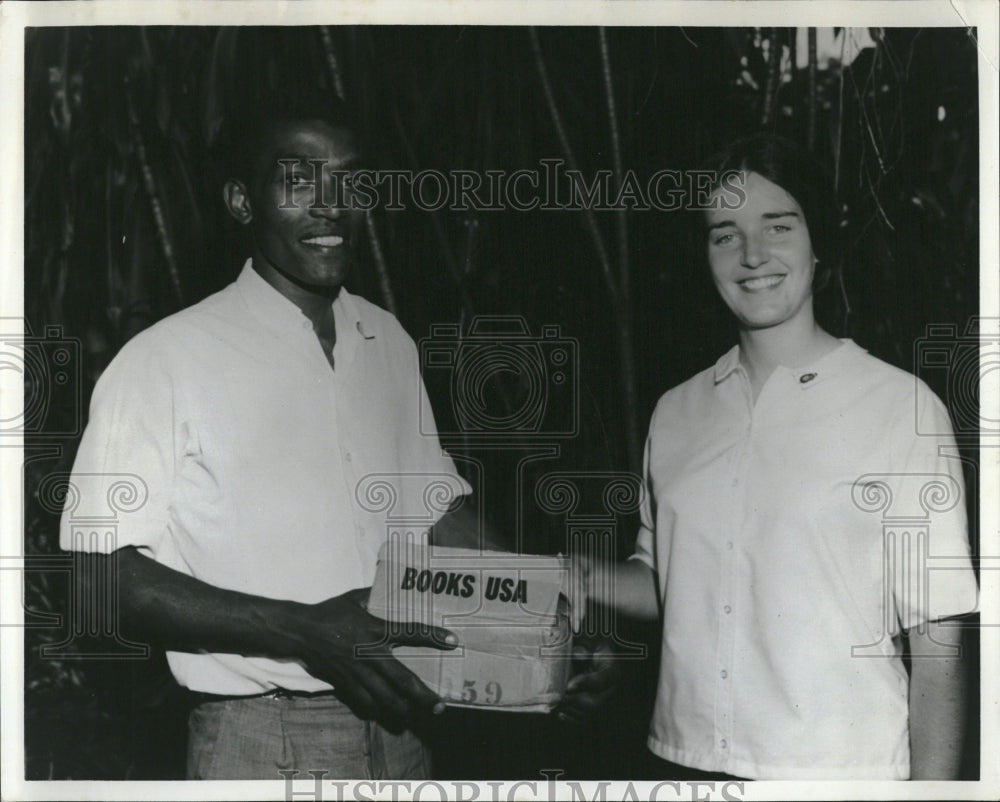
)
(343, 644)
(598, 674)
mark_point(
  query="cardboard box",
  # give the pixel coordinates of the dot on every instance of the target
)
(509, 612)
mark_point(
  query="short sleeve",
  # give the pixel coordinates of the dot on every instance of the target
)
(644, 542)
(119, 491)
(925, 527)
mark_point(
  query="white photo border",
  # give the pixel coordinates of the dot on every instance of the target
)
(15, 17)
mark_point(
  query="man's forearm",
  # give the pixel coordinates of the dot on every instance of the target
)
(938, 685)
(185, 614)
(160, 604)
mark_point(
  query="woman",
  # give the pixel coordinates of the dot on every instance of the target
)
(782, 594)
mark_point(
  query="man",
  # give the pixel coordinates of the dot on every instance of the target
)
(250, 421)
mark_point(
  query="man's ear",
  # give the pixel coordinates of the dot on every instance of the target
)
(237, 201)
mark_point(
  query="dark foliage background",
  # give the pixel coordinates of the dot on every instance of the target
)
(124, 225)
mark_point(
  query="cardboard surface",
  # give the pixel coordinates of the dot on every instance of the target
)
(508, 611)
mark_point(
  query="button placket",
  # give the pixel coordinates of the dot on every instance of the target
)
(311, 350)
(729, 580)
(349, 470)
(727, 636)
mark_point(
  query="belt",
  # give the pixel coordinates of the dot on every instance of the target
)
(200, 697)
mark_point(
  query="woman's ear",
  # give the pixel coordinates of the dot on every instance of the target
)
(237, 201)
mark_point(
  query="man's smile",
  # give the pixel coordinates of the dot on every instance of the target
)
(324, 241)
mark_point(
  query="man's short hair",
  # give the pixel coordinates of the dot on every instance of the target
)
(246, 129)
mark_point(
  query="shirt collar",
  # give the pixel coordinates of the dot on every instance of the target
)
(826, 366)
(282, 316)
(347, 317)
(829, 365)
(351, 329)
(727, 363)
